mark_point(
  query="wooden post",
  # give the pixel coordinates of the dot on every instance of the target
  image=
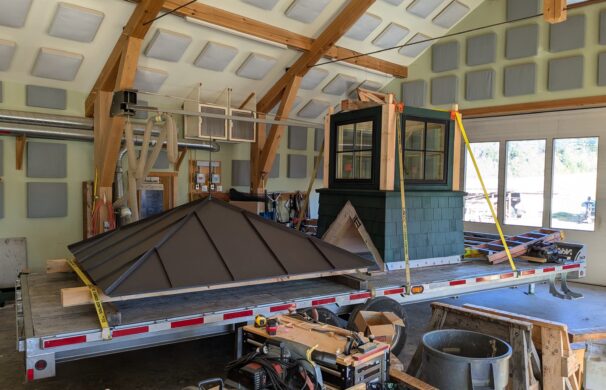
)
(554, 11)
(19, 152)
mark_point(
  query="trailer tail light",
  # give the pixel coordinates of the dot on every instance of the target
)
(237, 314)
(417, 289)
(130, 331)
(64, 341)
(30, 374)
(190, 322)
(40, 365)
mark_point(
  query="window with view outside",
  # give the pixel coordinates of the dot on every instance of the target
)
(575, 170)
(487, 157)
(524, 182)
(354, 151)
(425, 151)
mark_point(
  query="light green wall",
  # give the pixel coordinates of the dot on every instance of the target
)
(493, 11)
(48, 237)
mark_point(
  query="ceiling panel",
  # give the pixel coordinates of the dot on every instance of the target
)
(306, 11)
(391, 36)
(256, 66)
(14, 12)
(75, 23)
(215, 56)
(57, 64)
(363, 27)
(167, 45)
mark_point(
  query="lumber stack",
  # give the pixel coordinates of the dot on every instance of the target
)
(491, 246)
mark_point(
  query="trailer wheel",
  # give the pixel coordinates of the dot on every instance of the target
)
(383, 304)
(325, 316)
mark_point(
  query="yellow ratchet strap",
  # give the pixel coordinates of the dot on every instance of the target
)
(94, 293)
(403, 201)
(457, 117)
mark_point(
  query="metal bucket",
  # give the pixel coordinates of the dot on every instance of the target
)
(460, 359)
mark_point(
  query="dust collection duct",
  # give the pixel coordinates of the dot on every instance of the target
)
(70, 128)
(206, 243)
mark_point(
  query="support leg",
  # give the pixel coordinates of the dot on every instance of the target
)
(531, 289)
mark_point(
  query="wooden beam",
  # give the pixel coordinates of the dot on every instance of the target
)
(535, 107)
(111, 135)
(335, 30)
(19, 151)
(268, 154)
(246, 101)
(554, 11)
(243, 24)
(136, 27)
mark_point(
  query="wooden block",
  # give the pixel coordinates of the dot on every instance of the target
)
(586, 334)
(533, 259)
(409, 380)
(395, 363)
(569, 365)
(357, 282)
(57, 266)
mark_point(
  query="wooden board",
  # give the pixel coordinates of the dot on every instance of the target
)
(76, 296)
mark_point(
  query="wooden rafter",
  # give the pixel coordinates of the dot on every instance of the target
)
(268, 153)
(136, 27)
(243, 24)
(534, 107)
(335, 30)
(286, 87)
(554, 11)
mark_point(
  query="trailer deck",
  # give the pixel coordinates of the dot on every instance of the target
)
(50, 332)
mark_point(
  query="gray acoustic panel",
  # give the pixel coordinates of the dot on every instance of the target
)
(451, 15)
(297, 166)
(414, 93)
(363, 27)
(313, 108)
(14, 12)
(567, 35)
(519, 79)
(318, 139)
(57, 64)
(275, 168)
(256, 66)
(46, 160)
(1, 199)
(215, 56)
(602, 29)
(46, 200)
(45, 97)
(371, 85)
(149, 80)
(601, 69)
(274, 110)
(445, 56)
(518, 9)
(565, 73)
(479, 85)
(264, 4)
(522, 41)
(313, 78)
(7, 51)
(481, 49)
(415, 46)
(340, 84)
(1, 158)
(320, 173)
(444, 90)
(75, 22)
(394, 2)
(167, 45)
(422, 8)
(306, 11)
(240, 173)
(297, 137)
(141, 114)
(391, 36)
(162, 161)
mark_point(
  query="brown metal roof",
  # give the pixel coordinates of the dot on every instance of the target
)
(204, 243)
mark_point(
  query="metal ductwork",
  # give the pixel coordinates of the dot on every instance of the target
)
(69, 128)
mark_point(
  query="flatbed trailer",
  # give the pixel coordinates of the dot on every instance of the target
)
(49, 333)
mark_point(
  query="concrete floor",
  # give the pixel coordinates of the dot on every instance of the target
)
(176, 366)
